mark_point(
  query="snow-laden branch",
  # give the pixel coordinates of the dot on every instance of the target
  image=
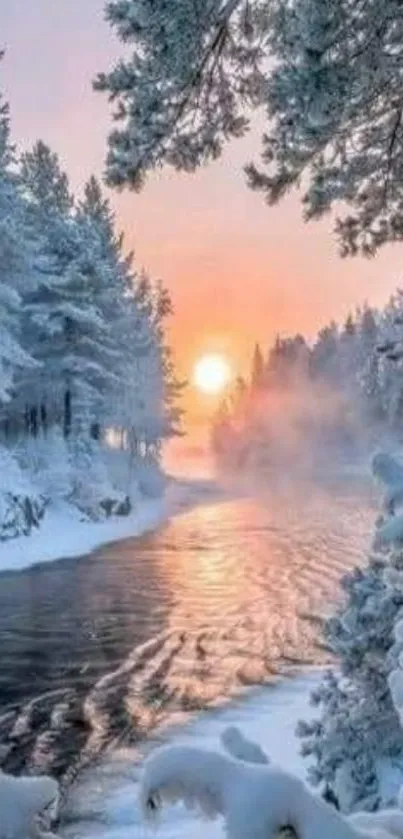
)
(28, 805)
(238, 746)
(389, 472)
(256, 801)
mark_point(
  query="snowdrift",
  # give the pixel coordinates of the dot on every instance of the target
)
(95, 483)
(28, 806)
(256, 801)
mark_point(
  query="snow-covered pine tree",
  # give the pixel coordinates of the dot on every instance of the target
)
(358, 729)
(172, 387)
(258, 371)
(327, 73)
(324, 361)
(369, 362)
(390, 350)
(48, 212)
(15, 270)
(111, 283)
(348, 352)
(69, 323)
(146, 398)
(83, 348)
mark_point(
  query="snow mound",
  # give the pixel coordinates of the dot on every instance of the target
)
(257, 802)
(238, 746)
(28, 806)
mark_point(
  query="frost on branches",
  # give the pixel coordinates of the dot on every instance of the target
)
(86, 376)
(307, 406)
(358, 728)
(327, 73)
(359, 733)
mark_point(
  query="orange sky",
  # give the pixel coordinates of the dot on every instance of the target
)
(237, 270)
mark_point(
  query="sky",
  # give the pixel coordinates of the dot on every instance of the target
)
(237, 270)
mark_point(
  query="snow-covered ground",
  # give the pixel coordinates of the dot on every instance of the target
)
(105, 805)
(63, 533)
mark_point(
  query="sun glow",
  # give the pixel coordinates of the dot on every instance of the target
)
(211, 374)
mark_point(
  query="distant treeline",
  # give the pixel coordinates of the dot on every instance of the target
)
(341, 393)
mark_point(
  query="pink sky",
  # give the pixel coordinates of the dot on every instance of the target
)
(237, 270)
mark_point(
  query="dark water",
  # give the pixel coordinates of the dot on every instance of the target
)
(102, 649)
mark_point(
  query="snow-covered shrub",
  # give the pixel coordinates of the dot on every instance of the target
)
(91, 488)
(395, 679)
(389, 533)
(149, 477)
(256, 801)
(358, 735)
(358, 728)
(389, 471)
(47, 460)
(22, 506)
(74, 471)
(19, 514)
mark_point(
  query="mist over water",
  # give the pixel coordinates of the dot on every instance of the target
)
(105, 649)
(294, 431)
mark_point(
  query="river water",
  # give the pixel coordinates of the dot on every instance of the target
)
(101, 650)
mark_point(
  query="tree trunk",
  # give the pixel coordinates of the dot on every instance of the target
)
(44, 418)
(67, 414)
(96, 431)
(33, 421)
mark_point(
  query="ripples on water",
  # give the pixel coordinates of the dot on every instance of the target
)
(102, 650)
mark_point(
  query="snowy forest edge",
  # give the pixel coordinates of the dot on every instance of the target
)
(88, 391)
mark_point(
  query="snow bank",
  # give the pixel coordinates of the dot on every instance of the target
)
(105, 805)
(28, 805)
(71, 498)
(63, 532)
(256, 801)
(22, 506)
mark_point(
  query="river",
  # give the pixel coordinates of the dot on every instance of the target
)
(101, 650)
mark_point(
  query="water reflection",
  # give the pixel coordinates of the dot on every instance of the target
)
(224, 596)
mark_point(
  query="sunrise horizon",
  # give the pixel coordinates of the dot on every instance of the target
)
(206, 235)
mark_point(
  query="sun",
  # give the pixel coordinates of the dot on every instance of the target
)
(211, 374)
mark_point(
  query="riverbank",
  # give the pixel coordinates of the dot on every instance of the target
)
(63, 532)
(104, 805)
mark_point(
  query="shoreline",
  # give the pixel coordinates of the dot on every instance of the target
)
(103, 804)
(63, 534)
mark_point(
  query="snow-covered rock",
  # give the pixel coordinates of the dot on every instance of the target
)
(120, 505)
